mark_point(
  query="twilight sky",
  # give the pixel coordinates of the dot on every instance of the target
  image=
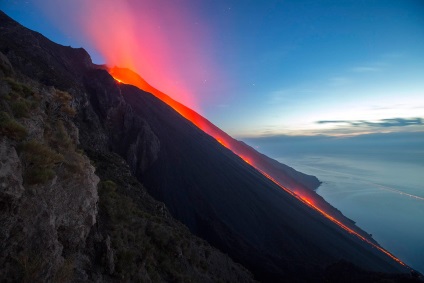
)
(259, 68)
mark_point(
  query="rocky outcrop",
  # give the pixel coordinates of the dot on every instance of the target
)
(5, 66)
(128, 134)
(48, 190)
(44, 227)
(10, 173)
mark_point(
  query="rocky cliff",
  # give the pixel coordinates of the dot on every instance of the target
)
(48, 187)
(65, 217)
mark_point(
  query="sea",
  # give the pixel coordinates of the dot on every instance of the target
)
(380, 187)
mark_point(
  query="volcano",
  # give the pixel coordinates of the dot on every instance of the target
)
(235, 206)
(263, 214)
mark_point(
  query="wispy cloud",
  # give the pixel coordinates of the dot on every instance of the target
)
(366, 69)
(385, 123)
(381, 64)
(339, 81)
(347, 128)
(394, 55)
(289, 95)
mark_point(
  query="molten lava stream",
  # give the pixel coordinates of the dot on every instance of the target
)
(334, 220)
(129, 77)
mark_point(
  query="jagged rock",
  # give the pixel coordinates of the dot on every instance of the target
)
(6, 69)
(73, 201)
(144, 150)
(10, 173)
(44, 223)
(110, 264)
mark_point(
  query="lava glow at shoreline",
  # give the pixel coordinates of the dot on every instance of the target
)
(127, 76)
(332, 219)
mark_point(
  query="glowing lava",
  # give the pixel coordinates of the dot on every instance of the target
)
(309, 203)
(132, 34)
(247, 154)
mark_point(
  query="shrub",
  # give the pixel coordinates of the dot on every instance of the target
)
(38, 175)
(39, 154)
(26, 90)
(11, 128)
(74, 162)
(107, 186)
(68, 110)
(20, 108)
(62, 96)
(64, 99)
(39, 160)
(60, 138)
(7, 70)
(17, 87)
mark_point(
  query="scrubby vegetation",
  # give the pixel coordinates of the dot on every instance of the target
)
(39, 161)
(64, 99)
(21, 104)
(142, 240)
(148, 244)
(21, 98)
(10, 128)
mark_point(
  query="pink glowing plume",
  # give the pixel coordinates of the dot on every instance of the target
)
(160, 40)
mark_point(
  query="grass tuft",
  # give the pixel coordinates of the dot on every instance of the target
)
(39, 160)
(11, 128)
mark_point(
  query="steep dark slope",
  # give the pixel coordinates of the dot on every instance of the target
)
(58, 223)
(301, 184)
(285, 175)
(211, 190)
(226, 201)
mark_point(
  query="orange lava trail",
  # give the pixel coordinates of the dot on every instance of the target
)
(334, 220)
(129, 77)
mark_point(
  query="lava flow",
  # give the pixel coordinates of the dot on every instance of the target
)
(334, 220)
(248, 155)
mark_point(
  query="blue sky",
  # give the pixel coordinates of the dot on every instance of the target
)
(281, 67)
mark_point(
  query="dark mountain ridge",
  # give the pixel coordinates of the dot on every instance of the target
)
(203, 184)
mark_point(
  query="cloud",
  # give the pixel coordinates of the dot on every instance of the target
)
(385, 123)
(365, 69)
(398, 146)
(394, 55)
(339, 81)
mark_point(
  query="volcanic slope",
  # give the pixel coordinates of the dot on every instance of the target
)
(205, 185)
(299, 183)
(227, 202)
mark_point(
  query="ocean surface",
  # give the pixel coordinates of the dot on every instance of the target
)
(381, 190)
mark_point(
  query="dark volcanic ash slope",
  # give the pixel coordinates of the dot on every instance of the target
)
(204, 185)
(303, 185)
(226, 201)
